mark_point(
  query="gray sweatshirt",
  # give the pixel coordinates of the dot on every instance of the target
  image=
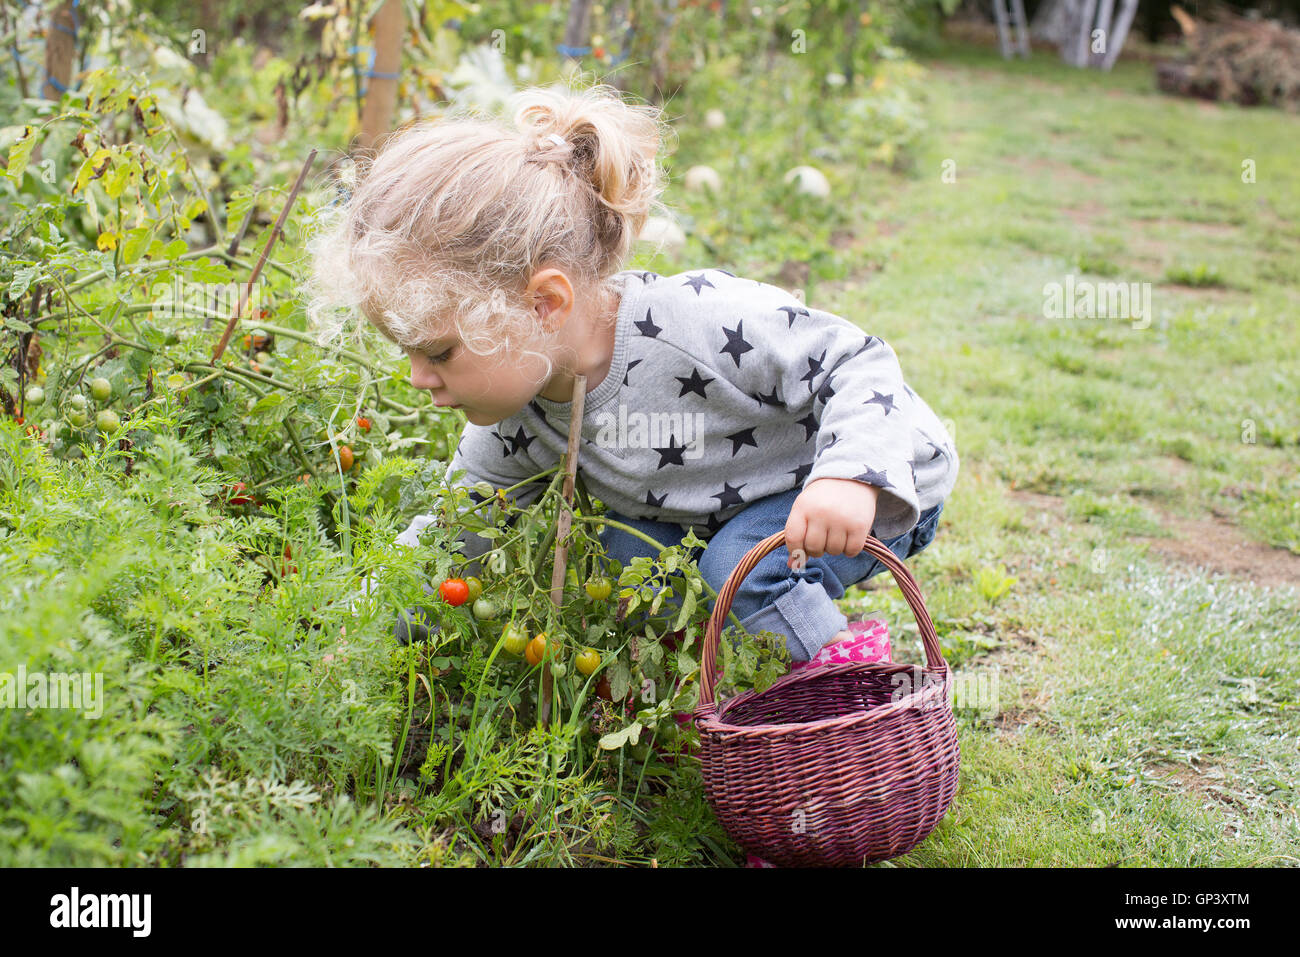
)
(722, 391)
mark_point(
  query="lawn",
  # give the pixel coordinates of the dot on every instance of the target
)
(1121, 554)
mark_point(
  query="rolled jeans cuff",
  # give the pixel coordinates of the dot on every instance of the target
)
(805, 615)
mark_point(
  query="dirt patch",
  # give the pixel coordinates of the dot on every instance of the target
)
(1053, 169)
(1211, 543)
(1225, 230)
(1085, 214)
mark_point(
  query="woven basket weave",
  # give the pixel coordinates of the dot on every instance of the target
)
(834, 766)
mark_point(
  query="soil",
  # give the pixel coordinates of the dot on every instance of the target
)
(1211, 542)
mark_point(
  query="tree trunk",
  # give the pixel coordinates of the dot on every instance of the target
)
(576, 33)
(60, 49)
(1115, 43)
(381, 93)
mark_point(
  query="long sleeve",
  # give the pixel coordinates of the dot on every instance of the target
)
(843, 386)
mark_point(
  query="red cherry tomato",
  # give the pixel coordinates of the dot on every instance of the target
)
(454, 591)
(363, 423)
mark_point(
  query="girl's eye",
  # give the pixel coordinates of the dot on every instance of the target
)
(440, 358)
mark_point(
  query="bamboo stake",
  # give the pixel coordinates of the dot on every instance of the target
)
(563, 525)
(247, 288)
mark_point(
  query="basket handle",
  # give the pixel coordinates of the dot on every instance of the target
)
(721, 607)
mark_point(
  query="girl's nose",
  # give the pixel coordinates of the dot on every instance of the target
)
(422, 375)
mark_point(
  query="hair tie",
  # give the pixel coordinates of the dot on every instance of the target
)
(557, 139)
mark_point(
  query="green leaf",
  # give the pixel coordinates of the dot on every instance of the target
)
(616, 739)
(22, 280)
(20, 154)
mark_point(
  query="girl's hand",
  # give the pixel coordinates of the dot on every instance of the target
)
(831, 517)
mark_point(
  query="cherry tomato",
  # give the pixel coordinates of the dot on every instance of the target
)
(588, 661)
(484, 610)
(599, 588)
(35, 395)
(516, 639)
(603, 689)
(77, 401)
(454, 591)
(101, 389)
(475, 587)
(535, 650)
(77, 417)
(558, 669)
(107, 421)
(346, 458)
(363, 423)
(235, 495)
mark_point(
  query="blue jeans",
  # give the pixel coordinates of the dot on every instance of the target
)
(797, 604)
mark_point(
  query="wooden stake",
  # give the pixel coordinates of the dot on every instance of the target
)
(563, 524)
(247, 288)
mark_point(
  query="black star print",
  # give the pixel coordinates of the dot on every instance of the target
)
(772, 399)
(647, 276)
(834, 438)
(713, 523)
(476, 498)
(647, 326)
(742, 438)
(866, 344)
(886, 402)
(520, 440)
(672, 455)
(630, 366)
(872, 477)
(725, 273)
(699, 282)
(809, 423)
(791, 312)
(532, 404)
(801, 473)
(814, 370)
(824, 394)
(908, 390)
(938, 451)
(694, 383)
(505, 443)
(655, 502)
(912, 466)
(736, 345)
(728, 495)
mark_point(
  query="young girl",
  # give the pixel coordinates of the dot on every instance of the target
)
(493, 256)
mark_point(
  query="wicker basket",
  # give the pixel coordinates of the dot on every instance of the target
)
(838, 765)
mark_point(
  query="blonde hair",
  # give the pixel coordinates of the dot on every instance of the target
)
(453, 216)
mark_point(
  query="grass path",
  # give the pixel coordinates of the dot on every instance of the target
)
(1139, 707)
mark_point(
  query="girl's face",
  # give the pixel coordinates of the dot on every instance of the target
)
(486, 388)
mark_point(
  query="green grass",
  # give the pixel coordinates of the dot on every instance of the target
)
(1148, 712)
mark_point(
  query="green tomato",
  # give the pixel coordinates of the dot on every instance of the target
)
(77, 417)
(107, 421)
(559, 669)
(176, 381)
(101, 389)
(516, 638)
(599, 588)
(35, 395)
(77, 401)
(475, 588)
(484, 610)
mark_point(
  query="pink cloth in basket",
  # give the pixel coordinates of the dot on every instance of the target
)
(870, 642)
